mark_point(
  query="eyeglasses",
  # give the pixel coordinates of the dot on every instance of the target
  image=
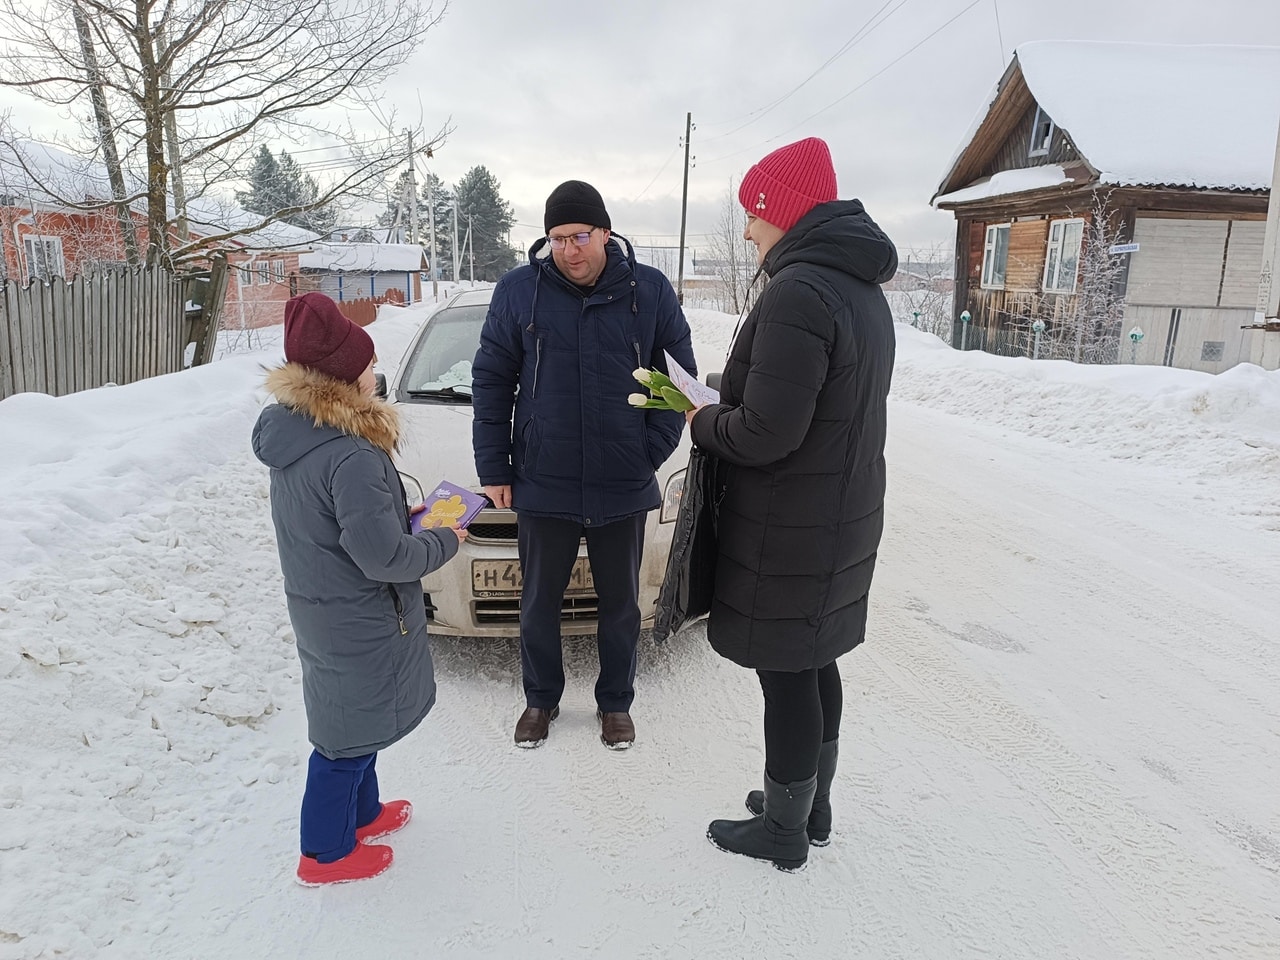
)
(579, 239)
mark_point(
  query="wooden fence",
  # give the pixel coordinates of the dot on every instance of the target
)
(365, 309)
(112, 327)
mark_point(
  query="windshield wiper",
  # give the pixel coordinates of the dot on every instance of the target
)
(449, 394)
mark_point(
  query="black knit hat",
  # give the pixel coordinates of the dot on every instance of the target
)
(575, 202)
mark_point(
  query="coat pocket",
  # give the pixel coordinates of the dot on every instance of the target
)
(627, 459)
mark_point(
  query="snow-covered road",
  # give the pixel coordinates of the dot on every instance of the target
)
(1061, 739)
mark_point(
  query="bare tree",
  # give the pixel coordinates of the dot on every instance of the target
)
(1100, 299)
(183, 92)
(1084, 327)
(925, 289)
(733, 258)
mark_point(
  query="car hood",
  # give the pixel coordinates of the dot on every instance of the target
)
(435, 444)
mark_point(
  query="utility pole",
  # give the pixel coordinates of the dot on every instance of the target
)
(471, 250)
(1269, 285)
(1264, 349)
(684, 206)
(431, 220)
(413, 195)
(457, 252)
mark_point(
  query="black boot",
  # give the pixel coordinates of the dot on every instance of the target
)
(820, 817)
(779, 833)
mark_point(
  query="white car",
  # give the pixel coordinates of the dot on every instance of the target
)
(478, 592)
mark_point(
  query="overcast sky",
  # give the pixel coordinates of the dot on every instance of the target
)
(544, 92)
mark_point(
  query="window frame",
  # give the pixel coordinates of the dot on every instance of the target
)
(264, 273)
(1045, 142)
(47, 243)
(1055, 265)
(277, 271)
(990, 245)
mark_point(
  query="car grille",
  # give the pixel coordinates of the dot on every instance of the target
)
(493, 525)
(492, 532)
(507, 610)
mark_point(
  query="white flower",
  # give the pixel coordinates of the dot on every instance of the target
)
(642, 375)
(637, 399)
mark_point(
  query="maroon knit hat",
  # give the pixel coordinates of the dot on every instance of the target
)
(789, 182)
(317, 335)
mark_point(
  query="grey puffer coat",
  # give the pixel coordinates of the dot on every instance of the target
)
(351, 567)
(800, 434)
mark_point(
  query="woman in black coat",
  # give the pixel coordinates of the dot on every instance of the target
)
(800, 434)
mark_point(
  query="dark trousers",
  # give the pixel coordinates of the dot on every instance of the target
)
(801, 713)
(548, 549)
(341, 795)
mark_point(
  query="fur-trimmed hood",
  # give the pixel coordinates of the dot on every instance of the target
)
(334, 408)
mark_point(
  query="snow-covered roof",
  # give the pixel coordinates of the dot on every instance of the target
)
(364, 257)
(208, 217)
(79, 179)
(1010, 181)
(1147, 114)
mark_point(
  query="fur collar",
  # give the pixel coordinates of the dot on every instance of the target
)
(336, 404)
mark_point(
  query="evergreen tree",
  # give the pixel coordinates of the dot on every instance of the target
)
(279, 183)
(491, 220)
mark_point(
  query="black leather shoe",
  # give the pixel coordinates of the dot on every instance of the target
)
(532, 727)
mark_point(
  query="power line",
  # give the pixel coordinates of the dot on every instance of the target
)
(849, 44)
(674, 151)
(891, 63)
(995, 4)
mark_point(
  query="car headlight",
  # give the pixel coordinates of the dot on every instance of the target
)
(412, 490)
(671, 497)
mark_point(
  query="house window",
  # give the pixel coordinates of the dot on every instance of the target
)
(1041, 134)
(995, 256)
(1211, 350)
(44, 257)
(277, 270)
(264, 273)
(1063, 256)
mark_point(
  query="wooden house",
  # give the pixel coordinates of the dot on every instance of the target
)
(374, 271)
(1175, 146)
(43, 236)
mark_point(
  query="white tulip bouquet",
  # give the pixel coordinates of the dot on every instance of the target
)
(663, 394)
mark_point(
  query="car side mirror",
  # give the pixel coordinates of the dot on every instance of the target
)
(380, 388)
(713, 379)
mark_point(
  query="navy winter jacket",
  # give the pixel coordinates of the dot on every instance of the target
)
(550, 384)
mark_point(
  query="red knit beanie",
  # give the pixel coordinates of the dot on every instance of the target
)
(789, 182)
(317, 335)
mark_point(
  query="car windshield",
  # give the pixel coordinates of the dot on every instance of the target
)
(440, 365)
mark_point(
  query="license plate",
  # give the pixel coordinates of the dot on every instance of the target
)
(499, 578)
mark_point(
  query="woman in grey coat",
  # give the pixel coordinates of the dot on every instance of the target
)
(351, 578)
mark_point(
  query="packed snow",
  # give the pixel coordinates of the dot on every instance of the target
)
(1060, 738)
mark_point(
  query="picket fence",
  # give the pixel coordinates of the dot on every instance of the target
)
(115, 326)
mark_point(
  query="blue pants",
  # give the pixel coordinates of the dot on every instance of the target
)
(341, 795)
(548, 549)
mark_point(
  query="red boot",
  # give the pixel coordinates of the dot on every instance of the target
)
(394, 815)
(365, 861)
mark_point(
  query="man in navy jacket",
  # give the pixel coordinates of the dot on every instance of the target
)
(556, 440)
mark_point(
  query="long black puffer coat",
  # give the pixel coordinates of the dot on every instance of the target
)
(800, 432)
